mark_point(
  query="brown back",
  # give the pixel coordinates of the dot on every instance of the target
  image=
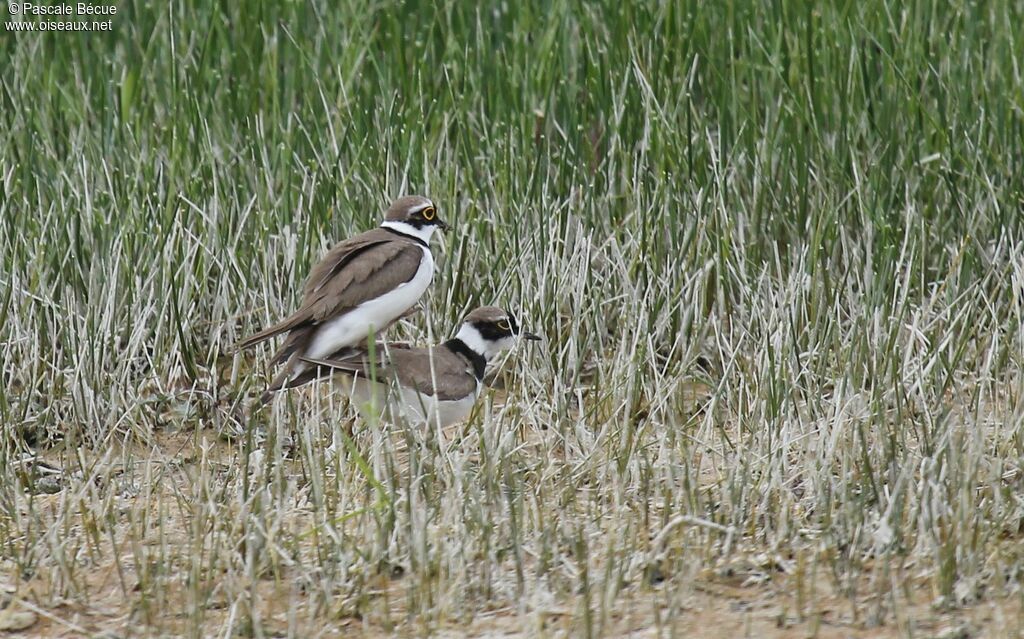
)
(354, 271)
(416, 368)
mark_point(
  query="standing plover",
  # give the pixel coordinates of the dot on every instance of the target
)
(362, 285)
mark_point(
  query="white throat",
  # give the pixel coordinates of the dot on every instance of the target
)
(476, 342)
(408, 229)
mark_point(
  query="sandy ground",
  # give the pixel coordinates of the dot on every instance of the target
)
(706, 608)
(744, 597)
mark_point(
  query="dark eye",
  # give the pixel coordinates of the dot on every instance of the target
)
(504, 325)
(429, 213)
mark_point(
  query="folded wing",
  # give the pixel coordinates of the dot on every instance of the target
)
(434, 372)
(340, 282)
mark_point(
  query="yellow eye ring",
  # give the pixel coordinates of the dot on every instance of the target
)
(504, 325)
(429, 213)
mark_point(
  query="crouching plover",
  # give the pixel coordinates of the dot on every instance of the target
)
(433, 385)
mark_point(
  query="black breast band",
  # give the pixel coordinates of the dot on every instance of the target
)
(406, 236)
(478, 361)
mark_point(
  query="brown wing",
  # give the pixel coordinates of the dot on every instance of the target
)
(340, 282)
(412, 366)
(416, 369)
(381, 267)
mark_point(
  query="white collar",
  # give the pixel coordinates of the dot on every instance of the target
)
(472, 338)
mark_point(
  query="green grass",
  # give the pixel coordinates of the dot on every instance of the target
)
(811, 211)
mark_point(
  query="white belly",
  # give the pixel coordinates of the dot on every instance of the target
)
(372, 316)
(415, 408)
(425, 409)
